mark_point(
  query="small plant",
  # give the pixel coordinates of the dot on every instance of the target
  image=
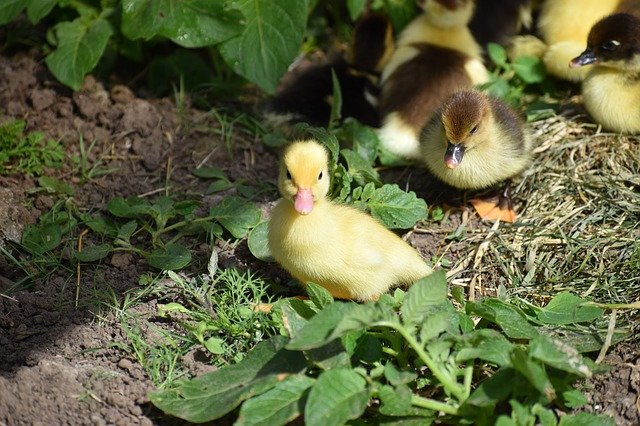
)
(26, 153)
(408, 356)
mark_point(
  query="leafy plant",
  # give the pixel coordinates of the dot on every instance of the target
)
(26, 153)
(410, 356)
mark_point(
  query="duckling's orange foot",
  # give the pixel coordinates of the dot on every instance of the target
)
(495, 208)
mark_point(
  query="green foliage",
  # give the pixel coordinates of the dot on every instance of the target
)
(339, 357)
(26, 153)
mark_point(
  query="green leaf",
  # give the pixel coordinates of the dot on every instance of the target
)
(558, 354)
(318, 331)
(497, 54)
(129, 208)
(546, 416)
(585, 419)
(534, 372)
(277, 406)
(395, 401)
(423, 296)
(271, 39)
(80, 47)
(506, 316)
(530, 69)
(319, 295)
(566, 308)
(126, 231)
(355, 7)
(397, 377)
(9, 9)
(258, 242)
(214, 394)
(210, 172)
(487, 345)
(573, 398)
(172, 257)
(237, 215)
(93, 253)
(492, 390)
(38, 9)
(214, 345)
(395, 208)
(189, 23)
(337, 396)
(360, 168)
(40, 238)
(54, 185)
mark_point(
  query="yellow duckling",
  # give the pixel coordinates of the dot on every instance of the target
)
(564, 26)
(476, 142)
(611, 90)
(338, 247)
(435, 55)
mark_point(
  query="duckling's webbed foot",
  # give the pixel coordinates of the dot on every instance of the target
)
(497, 207)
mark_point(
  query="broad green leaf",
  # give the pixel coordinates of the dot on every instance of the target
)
(130, 207)
(9, 9)
(497, 54)
(365, 139)
(258, 242)
(546, 416)
(100, 225)
(395, 208)
(271, 39)
(368, 349)
(360, 168)
(492, 390)
(397, 377)
(319, 295)
(581, 341)
(337, 396)
(237, 215)
(189, 23)
(277, 406)
(329, 356)
(423, 296)
(395, 401)
(54, 185)
(585, 419)
(172, 257)
(566, 308)
(210, 172)
(126, 231)
(521, 414)
(506, 316)
(317, 332)
(530, 69)
(38, 9)
(560, 355)
(41, 238)
(292, 319)
(355, 7)
(534, 372)
(214, 394)
(93, 253)
(80, 45)
(364, 315)
(487, 345)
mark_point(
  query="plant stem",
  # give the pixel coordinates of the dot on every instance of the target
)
(434, 405)
(451, 386)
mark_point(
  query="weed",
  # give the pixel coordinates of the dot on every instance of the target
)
(26, 153)
(83, 165)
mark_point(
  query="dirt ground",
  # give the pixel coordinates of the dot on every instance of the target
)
(62, 365)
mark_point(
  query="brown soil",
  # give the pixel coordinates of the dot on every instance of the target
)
(60, 361)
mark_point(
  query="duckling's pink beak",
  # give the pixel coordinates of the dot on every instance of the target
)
(453, 156)
(587, 57)
(303, 201)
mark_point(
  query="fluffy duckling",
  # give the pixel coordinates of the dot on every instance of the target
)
(309, 96)
(611, 90)
(474, 143)
(435, 55)
(497, 21)
(336, 246)
(564, 26)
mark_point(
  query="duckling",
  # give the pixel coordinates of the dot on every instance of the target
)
(611, 90)
(476, 142)
(309, 96)
(435, 55)
(338, 247)
(564, 26)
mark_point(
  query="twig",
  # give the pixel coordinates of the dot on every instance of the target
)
(154, 191)
(8, 297)
(82, 234)
(607, 340)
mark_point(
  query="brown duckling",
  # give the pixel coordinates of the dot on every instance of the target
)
(435, 55)
(476, 142)
(339, 247)
(611, 90)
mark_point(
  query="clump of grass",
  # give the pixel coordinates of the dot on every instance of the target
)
(26, 153)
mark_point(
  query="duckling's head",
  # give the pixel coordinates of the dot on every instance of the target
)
(614, 41)
(448, 13)
(465, 119)
(304, 174)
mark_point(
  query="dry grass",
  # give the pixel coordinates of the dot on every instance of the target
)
(578, 227)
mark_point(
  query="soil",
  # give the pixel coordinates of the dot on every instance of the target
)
(60, 361)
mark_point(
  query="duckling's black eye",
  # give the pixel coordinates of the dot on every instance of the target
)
(320, 175)
(473, 129)
(610, 45)
(288, 175)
